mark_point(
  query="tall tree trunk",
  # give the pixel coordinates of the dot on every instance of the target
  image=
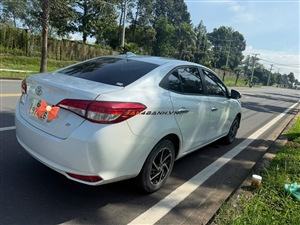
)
(46, 16)
(85, 23)
(180, 51)
(135, 21)
(120, 23)
(237, 78)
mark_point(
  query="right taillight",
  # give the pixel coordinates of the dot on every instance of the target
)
(24, 86)
(103, 111)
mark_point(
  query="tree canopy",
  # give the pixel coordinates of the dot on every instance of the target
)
(154, 27)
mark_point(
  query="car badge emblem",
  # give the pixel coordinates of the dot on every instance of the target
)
(39, 90)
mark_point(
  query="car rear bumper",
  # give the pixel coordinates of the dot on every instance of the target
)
(111, 152)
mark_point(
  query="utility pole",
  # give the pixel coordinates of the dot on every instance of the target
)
(270, 75)
(254, 61)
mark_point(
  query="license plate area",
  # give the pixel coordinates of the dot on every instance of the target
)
(40, 110)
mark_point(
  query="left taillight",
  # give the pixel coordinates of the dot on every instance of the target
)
(106, 112)
(24, 87)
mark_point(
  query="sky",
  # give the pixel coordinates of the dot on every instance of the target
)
(271, 28)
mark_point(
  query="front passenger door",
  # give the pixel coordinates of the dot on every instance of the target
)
(219, 105)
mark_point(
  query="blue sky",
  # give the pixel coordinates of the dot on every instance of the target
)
(270, 28)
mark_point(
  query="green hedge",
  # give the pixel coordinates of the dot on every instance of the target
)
(17, 41)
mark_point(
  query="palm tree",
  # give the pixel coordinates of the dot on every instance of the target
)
(186, 37)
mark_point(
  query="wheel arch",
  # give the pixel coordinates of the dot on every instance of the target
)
(175, 140)
(239, 115)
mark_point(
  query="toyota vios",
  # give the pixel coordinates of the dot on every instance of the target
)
(118, 117)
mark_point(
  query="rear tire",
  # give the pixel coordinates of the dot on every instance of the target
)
(232, 131)
(157, 167)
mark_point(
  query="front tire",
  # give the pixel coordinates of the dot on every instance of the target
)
(232, 131)
(157, 167)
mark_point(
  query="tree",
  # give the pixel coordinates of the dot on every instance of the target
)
(237, 71)
(142, 16)
(291, 79)
(228, 46)
(285, 81)
(201, 51)
(13, 11)
(46, 16)
(247, 66)
(130, 47)
(63, 16)
(225, 68)
(92, 16)
(165, 33)
(278, 79)
(145, 37)
(161, 8)
(185, 37)
(177, 13)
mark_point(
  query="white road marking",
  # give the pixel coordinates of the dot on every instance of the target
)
(160, 209)
(18, 71)
(10, 95)
(7, 128)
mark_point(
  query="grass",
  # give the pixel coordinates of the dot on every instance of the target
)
(28, 64)
(271, 204)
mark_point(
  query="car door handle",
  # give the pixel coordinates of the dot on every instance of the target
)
(183, 110)
(214, 109)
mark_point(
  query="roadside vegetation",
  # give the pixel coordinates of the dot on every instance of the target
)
(32, 65)
(24, 63)
(270, 204)
(45, 28)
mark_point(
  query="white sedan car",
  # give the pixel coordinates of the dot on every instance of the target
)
(118, 117)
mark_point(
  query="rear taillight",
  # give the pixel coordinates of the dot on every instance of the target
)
(24, 86)
(85, 178)
(103, 112)
(77, 106)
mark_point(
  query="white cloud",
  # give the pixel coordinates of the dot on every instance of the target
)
(245, 17)
(235, 7)
(282, 61)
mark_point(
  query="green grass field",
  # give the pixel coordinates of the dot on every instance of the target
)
(271, 204)
(27, 64)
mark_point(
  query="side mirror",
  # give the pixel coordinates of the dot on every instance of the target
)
(235, 94)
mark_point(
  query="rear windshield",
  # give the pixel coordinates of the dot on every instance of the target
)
(108, 70)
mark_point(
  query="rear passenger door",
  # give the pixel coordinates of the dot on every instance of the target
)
(191, 106)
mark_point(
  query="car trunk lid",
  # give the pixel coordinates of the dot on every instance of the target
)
(46, 91)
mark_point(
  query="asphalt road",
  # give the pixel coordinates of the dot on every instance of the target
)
(31, 193)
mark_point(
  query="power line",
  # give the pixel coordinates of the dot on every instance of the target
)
(291, 65)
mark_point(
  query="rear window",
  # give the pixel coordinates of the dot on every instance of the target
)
(108, 70)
